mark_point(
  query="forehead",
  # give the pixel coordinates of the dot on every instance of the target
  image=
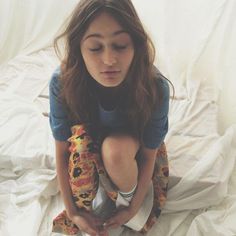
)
(104, 26)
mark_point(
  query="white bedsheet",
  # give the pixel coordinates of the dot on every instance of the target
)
(202, 192)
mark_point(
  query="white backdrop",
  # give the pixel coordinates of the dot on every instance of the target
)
(195, 50)
(194, 41)
(30, 25)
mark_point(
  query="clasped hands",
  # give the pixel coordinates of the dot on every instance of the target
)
(94, 226)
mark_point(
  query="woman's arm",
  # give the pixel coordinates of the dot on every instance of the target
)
(85, 221)
(62, 157)
(146, 164)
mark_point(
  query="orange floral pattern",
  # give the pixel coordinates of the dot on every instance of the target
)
(86, 169)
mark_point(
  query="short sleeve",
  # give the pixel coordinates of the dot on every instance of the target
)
(58, 119)
(157, 127)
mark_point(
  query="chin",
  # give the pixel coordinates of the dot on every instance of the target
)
(111, 84)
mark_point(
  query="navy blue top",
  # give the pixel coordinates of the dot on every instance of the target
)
(154, 132)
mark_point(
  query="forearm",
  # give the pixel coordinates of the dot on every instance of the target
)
(66, 193)
(63, 181)
(146, 168)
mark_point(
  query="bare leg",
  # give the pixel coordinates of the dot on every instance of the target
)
(118, 154)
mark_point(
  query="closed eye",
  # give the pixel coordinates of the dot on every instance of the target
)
(95, 49)
(115, 47)
(119, 47)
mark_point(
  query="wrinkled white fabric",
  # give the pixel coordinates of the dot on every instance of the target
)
(27, 26)
(195, 50)
(201, 161)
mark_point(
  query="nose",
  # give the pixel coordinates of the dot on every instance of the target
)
(109, 57)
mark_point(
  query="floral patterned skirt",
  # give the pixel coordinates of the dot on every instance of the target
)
(86, 170)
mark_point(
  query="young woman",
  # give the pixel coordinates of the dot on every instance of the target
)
(109, 118)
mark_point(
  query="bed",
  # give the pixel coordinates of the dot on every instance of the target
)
(201, 140)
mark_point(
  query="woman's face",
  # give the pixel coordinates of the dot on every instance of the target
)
(107, 51)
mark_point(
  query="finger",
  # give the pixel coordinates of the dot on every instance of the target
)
(111, 225)
(112, 219)
(90, 231)
(103, 232)
(108, 223)
(95, 223)
(98, 222)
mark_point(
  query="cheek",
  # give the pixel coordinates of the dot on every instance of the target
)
(129, 58)
(90, 61)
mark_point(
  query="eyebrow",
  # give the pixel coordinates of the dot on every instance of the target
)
(97, 35)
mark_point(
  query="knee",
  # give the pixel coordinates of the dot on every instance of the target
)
(111, 153)
(118, 152)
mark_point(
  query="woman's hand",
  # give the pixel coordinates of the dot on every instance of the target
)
(121, 216)
(89, 223)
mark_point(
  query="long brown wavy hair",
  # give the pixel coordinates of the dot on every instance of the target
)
(141, 91)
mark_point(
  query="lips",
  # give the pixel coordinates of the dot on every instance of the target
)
(110, 72)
